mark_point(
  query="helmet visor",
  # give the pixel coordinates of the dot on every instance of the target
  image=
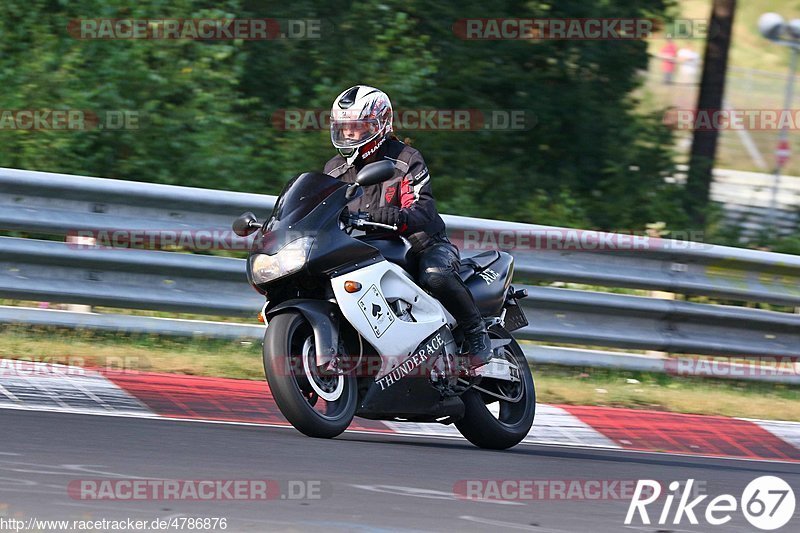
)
(353, 133)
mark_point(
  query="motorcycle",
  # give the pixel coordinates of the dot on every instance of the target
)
(350, 333)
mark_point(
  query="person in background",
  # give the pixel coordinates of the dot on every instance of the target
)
(689, 62)
(668, 55)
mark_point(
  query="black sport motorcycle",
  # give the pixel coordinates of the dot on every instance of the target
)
(349, 331)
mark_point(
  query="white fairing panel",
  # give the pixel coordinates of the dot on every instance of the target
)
(368, 311)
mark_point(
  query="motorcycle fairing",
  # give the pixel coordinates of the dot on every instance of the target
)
(393, 338)
(407, 391)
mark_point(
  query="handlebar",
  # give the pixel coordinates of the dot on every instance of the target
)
(377, 225)
(361, 219)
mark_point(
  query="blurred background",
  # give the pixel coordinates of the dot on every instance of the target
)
(596, 151)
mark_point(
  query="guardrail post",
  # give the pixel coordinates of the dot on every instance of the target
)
(81, 241)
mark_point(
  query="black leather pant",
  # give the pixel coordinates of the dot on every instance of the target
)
(438, 273)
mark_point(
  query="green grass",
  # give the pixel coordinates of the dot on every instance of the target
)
(150, 353)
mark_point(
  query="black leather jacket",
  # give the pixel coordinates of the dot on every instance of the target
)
(409, 189)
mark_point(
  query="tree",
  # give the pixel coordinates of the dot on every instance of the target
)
(712, 89)
(585, 156)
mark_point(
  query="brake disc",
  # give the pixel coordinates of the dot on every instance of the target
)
(328, 388)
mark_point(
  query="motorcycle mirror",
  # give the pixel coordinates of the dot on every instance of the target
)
(375, 173)
(246, 224)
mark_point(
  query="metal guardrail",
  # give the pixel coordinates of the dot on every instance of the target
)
(167, 281)
(128, 323)
(635, 322)
(44, 202)
(658, 264)
(60, 203)
(158, 280)
(125, 278)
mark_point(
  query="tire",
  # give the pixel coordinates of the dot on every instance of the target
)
(285, 342)
(480, 426)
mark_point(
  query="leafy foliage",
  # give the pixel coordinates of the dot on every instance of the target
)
(207, 106)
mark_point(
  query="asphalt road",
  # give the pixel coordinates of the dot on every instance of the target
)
(367, 482)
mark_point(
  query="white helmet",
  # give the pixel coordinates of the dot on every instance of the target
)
(361, 120)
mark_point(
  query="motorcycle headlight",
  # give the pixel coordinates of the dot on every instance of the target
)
(287, 260)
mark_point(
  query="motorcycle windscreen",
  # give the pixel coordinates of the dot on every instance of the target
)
(300, 196)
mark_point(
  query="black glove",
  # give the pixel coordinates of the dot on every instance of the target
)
(389, 214)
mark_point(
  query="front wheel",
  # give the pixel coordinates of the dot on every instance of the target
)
(316, 403)
(494, 423)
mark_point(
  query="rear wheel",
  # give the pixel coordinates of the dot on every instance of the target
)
(317, 403)
(495, 423)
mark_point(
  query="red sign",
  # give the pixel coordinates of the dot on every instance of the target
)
(783, 152)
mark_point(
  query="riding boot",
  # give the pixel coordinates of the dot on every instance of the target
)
(477, 345)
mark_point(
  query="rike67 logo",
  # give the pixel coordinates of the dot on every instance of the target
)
(767, 503)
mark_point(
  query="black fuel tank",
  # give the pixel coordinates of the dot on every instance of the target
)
(396, 250)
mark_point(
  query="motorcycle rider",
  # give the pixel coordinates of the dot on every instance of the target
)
(361, 131)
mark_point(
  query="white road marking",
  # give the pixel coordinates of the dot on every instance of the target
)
(430, 494)
(98, 506)
(5, 392)
(786, 431)
(501, 523)
(62, 470)
(552, 425)
(46, 386)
